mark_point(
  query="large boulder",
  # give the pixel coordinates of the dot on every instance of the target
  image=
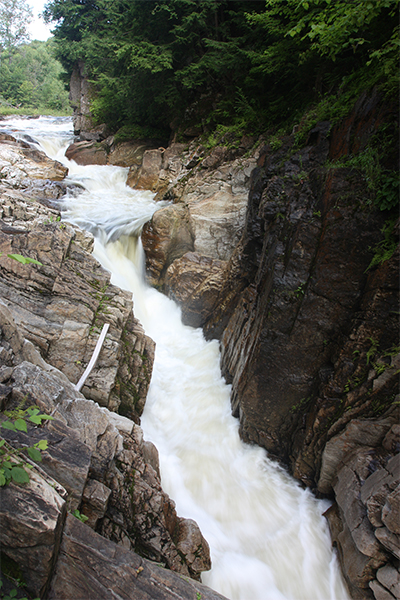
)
(209, 193)
(20, 162)
(93, 568)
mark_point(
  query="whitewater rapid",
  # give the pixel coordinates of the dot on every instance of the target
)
(267, 536)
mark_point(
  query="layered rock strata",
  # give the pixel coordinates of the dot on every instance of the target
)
(62, 304)
(97, 462)
(308, 322)
(209, 192)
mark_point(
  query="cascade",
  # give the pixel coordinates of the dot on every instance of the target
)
(267, 536)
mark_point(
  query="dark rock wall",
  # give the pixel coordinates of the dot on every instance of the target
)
(298, 306)
(309, 337)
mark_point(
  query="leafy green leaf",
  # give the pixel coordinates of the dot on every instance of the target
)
(20, 425)
(2, 442)
(36, 419)
(80, 516)
(19, 475)
(42, 444)
(3, 480)
(24, 259)
(35, 454)
(32, 411)
(8, 425)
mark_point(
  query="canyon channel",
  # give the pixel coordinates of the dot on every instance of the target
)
(267, 536)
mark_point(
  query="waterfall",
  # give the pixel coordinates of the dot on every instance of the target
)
(267, 535)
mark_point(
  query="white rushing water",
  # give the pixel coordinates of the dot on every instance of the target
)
(267, 535)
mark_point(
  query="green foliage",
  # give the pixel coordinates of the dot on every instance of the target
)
(385, 249)
(12, 465)
(15, 16)
(14, 592)
(242, 63)
(25, 260)
(31, 78)
(80, 516)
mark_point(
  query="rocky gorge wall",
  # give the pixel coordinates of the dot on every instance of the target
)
(308, 328)
(97, 461)
(269, 247)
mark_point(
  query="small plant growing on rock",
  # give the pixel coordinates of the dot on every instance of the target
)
(80, 516)
(12, 465)
(25, 260)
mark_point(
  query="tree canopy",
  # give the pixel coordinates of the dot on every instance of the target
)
(31, 78)
(15, 16)
(252, 62)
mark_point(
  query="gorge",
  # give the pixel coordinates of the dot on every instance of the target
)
(359, 450)
(222, 484)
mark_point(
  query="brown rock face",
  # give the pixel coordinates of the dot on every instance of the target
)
(297, 347)
(309, 337)
(20, 162)
(79, 97)
(194, 282)
(91, 567)
(62, 305)
(87, 153)
(106, 469)
(166, 237)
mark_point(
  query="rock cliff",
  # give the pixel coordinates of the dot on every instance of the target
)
(97, 461)
(307, 317)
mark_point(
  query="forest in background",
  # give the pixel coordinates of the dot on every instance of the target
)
(30, 80)
(226, 65)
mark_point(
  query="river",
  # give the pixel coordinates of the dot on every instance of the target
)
(267, 536)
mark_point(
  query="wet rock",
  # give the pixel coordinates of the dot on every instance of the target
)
(166, 237)
(99, 455)
(31, 524)
(19, 163)
(62, 304)
(194, 281)
(192, 545)
(212, 204)
(87, 153)
(92, 567)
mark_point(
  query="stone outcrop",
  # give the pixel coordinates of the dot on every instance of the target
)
(20, 162)
(362, 466)
(307, 323)
(79, 97)
(62, 304)
(90, 567)
(96, 462)
(209, 193)
(109, 152)
(99, 463)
